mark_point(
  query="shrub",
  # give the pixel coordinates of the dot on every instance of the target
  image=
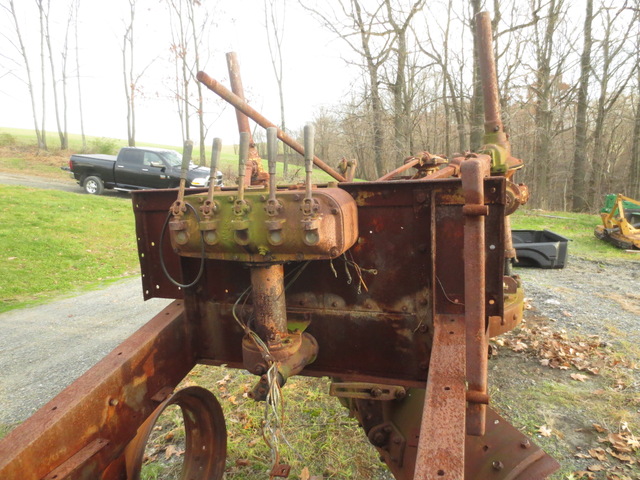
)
(107, 146)
(7, 140)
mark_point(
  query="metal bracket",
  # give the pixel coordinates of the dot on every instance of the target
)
(367, 391)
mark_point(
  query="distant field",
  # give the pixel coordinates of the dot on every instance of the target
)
(18, 153)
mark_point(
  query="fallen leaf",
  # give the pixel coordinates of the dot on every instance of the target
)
(171, 451)
(544, 430)
(584, 473)
(599, 428)
(596, 468)
(242, 462)
(579, 377)
(304, 474)
(598, 453)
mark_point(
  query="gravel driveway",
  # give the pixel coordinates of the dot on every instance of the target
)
(45, 348)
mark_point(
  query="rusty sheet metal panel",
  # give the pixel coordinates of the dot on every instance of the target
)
(371, 310)
(84, 430)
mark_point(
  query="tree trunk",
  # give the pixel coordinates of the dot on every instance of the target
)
(43, 146)
(579, 203)
(84, 139)
(39, 135)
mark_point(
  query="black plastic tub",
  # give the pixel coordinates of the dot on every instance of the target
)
(539, 248)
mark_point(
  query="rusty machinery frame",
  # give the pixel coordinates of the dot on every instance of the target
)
(399, 283)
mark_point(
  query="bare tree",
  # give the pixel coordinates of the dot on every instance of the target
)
(579, 189)
(23, 52)
(402, 99)
(42, 73)
(612, 76)
(76, 7)
(274, 19)
(196, 36)
(366, 33)
(131, 77)
(44, 24)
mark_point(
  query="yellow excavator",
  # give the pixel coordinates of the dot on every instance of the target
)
(620, 222)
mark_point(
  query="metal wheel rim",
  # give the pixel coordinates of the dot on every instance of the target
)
(91, 186)
(205, 436)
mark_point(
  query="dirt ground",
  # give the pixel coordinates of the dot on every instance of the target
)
(568, 377)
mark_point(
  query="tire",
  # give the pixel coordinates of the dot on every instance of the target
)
(93, 185)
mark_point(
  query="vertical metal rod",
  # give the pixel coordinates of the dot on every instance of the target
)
(216, 149)
(492, 120)
(272, 154)
(473, 172)
(309, 134)
(186, 160)
(233, 66)
(242, 161)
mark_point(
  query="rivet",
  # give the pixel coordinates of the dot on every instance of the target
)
(497, 465)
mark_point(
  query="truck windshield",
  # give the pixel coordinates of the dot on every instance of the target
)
(174, 158)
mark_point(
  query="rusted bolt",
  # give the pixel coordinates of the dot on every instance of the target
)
(334, 252)
(422, 328)
(334, 304)
(399, 393)
(378, 439)
(259, 369)
(525, 443)
(405, 308)
(376, 392)
(113, 402)
(334, 211)
(497, 465)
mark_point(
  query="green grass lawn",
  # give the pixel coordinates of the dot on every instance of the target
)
(578, 227)
(58, 242)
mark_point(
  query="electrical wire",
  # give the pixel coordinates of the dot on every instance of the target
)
(202, 253)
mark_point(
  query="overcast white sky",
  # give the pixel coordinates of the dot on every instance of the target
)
(315, 75)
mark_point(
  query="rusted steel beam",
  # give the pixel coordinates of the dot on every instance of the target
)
(473, 172)
(86, 428)
(442, 431)
(398, 170)
(244, 107)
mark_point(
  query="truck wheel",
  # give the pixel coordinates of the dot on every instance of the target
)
(93, 185)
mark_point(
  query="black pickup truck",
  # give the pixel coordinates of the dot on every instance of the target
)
(136, 168)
